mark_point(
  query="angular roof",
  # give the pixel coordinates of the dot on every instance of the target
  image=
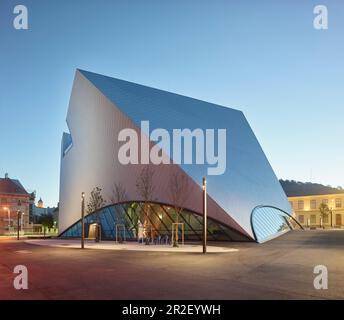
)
(11, 186)
(249, 179)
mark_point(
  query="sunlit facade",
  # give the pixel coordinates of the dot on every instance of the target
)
(245, 203)
(306, 210)
(13, 199)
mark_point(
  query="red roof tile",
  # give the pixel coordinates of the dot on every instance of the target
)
(9, 186)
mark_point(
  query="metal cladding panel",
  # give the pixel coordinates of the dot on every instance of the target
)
(97, 112)
(92, 160)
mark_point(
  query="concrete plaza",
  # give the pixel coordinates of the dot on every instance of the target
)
(130, 245)
(279, 269)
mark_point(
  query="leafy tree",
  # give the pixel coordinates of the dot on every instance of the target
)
(324, 210)
(46, 220)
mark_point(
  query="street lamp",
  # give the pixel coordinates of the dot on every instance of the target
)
(82, 220)
(18, 218)
(331, 210)
(204, 188)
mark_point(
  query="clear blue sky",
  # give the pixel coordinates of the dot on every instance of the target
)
(263, 57)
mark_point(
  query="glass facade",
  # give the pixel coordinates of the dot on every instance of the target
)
(269, 222)
(156, 219)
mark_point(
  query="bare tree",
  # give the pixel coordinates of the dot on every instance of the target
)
(144, 183)
(145, 189)
(179, 191)
(119, 194)
(95, 202)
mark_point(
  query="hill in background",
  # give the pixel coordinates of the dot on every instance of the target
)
(294, 188)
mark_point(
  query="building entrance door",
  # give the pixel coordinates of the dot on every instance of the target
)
(93, 230)
(338, 219)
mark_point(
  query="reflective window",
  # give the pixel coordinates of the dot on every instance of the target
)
(313, 219)
(155, 220)
(313, 204)
(338, 203)
(300, 204)
(268, 222)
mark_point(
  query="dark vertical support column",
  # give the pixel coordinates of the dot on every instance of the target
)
(204, 187)
(82, 220)
(18, 217)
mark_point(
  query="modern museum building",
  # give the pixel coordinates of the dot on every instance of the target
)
(146, 151)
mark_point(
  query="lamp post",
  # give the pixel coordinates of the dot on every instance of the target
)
(82, 220)
(18, 218)
(22, 223)
(20, 215)
(204, 188)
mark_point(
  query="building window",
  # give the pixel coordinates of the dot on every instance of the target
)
(300, 205)
(313, 219)
(313, 204)
(3, 200)
(325, 201)
(338, 203)
(325, 219)
(302, 219)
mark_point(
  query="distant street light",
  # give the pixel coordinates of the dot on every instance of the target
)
(82, 220)
(204, 187)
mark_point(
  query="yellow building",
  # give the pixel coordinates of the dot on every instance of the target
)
(306, 210)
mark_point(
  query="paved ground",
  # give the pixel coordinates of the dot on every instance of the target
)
(279, 269)
(131, 246)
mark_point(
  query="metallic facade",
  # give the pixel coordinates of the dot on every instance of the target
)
(101, 106)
